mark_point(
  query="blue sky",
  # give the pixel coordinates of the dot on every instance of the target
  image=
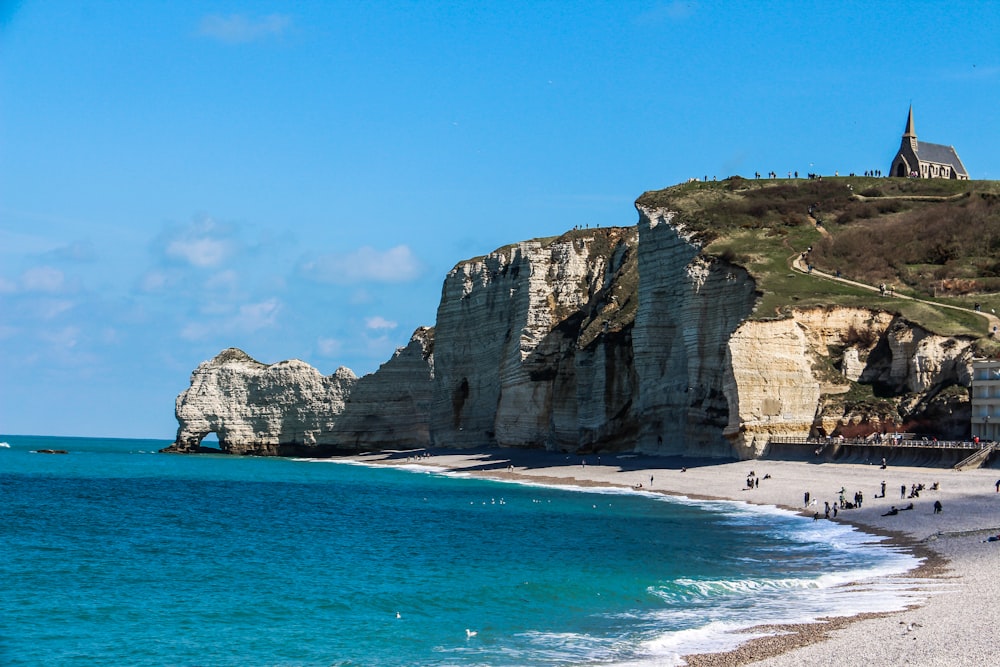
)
(296, 179)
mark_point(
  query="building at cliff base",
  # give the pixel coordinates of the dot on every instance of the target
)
(985, 395)
(926, 160)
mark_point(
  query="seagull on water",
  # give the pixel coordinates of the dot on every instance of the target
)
(398, 615)
(469, 634)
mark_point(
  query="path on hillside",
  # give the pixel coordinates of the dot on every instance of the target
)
(795, 261)
(930, 198)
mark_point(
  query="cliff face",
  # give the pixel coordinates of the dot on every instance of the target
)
(532, 344)
(689, 307)
(391, 407)
(619, 339)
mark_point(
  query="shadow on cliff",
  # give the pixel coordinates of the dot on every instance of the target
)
(533, 459)
(916, 457)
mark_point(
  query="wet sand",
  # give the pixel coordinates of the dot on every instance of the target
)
(954, 627)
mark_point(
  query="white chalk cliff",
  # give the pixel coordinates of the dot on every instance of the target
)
(257, 408)
(616, 339)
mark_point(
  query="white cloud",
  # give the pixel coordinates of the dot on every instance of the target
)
(154, 281)
(48, 309)
(240, 28)
(65, 338)
(379, 323)
(328, 347)
(254, 316)
(77, 251)
(202, 252)
(196, 331)
(222, 280)
(43, 279)
(202, 243)
(397, 264)
(247, 318)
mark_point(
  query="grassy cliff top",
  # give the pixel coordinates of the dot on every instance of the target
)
(932, 239)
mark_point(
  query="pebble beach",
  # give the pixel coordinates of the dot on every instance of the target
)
(955, 626)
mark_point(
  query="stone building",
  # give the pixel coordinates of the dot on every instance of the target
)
(985, 397)
(926, 160)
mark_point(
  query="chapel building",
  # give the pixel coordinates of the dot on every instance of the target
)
(926, 160)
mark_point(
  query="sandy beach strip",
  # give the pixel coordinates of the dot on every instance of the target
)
(956, 626)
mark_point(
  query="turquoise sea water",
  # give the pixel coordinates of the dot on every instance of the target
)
(116, 555)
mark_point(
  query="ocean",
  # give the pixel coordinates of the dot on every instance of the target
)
(114, 554)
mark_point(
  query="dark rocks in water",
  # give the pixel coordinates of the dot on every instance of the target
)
(51, 451)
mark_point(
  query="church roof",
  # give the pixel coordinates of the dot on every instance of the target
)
(941, 154)
(928, 152)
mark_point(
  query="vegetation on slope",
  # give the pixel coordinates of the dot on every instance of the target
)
(931, 239)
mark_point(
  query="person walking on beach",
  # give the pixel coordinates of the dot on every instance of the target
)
(883, 488)
(805, 498)
(902, 490)
(998, 486)
(937, 507)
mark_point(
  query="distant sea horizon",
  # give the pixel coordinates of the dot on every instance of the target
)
(116, 554)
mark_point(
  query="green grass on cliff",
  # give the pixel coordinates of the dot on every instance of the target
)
(932, 239)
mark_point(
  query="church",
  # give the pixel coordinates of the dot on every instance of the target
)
(926, 160)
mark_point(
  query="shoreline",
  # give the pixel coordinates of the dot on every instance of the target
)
(953, 625)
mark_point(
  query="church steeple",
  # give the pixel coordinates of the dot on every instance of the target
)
(909, 135)
(909, 125)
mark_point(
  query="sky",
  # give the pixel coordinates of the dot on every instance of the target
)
(297, 178)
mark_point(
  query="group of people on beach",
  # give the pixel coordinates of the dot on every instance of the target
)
(753, 481)
(842, 503)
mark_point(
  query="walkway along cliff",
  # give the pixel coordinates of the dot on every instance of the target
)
(624, 339)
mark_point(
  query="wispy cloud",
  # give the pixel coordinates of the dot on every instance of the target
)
(203, 252)
(49, 309)
(244, 319)
(394, 265)
(154, 281)
(203, 244)
(241, 29)
(43, 279)
(64, 338)
(379, 323)
(328, 347)
(77, 251)
(223, 280)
